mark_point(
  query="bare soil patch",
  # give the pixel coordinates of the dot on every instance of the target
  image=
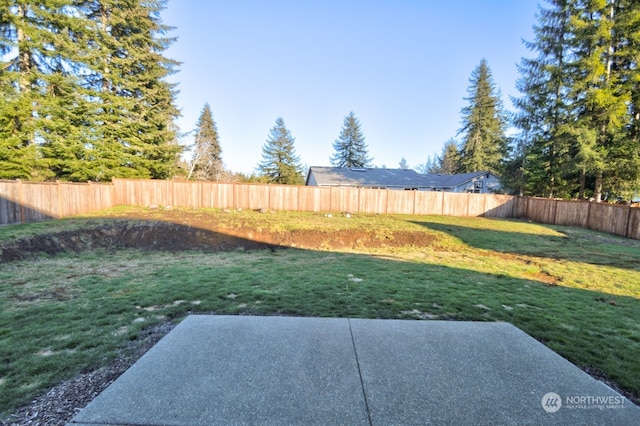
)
(183, 231)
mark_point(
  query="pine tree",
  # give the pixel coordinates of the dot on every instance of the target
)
(137, 104)
(280, 164)
(350, 147)
(449, 160)
(403, 163)
(541, 157)
(206, 162)
(601, 39)
(483, 124)
(85, 91)
(40, 45)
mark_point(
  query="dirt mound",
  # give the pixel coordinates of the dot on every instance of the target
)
(169, 236)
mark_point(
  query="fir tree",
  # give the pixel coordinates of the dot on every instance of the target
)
(280, 164)
(206, 162)
(350, 147)
(85, 92)
(403, 163)
(449, 160)
(483, 125)
(541, 158)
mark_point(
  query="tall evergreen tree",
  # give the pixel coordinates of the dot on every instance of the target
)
(540, 156)
(483, 124)
(605, 99)
(280, 164)
(577, 112)
(350, 147)
(449, 160)
(138, 104)
(85, 90)
(40, 44)
(206, 162)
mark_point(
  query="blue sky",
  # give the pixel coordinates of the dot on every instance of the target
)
(401, 66)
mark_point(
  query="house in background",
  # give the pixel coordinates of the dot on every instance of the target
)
(365, 178)
(477, 182)
(402, 179)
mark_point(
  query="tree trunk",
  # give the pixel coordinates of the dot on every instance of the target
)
(598, 187)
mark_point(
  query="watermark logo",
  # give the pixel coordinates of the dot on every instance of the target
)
(551, 402)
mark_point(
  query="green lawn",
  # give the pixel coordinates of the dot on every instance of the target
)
(576, 291)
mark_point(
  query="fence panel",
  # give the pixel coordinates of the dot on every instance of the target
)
(401, 202)
(314, 199)
(542, 210)
(633, 227)
(454, 204)
(571, 213)
(343, 199)
(609, 218)
(41, 201)
(373, 201)
(283, 197)
(81, 198)
(428, 203)
(9, 203)
(499, 206)
(476, 204)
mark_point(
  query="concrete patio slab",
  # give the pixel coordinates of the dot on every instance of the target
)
(231, 370)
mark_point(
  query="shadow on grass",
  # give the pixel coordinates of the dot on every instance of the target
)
(80, 320)
(575, 245)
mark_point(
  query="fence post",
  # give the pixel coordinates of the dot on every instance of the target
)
(555, 212)
(415, 195)
(484, 204)
(21, 201)
(59, 195)
(627, 232)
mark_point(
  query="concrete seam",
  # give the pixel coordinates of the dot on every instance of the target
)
(364, 392)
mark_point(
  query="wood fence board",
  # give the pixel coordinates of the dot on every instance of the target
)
(571, 213)
(9, 202)
(343, 199)
(372, 201)
(633, 227)
(401, 202)
(499, 206)
(476, 204)
(428, 203)
(541, 210)
(454, 204)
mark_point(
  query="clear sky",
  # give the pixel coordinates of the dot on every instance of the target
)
(402, 66)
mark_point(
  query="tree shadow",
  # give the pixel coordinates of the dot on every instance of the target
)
(12, 212)
(593, 247)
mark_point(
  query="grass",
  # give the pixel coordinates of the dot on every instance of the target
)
(576, 291)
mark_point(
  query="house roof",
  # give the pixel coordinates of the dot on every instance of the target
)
(451, 181)
(366, 177)
(386, 178)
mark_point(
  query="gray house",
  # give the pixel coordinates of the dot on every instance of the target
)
(477, 182)
(402, 179)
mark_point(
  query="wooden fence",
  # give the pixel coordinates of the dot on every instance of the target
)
(22, 202)
(611, 218)
(27, 202)
(309, 198)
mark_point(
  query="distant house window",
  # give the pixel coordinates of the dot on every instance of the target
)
(477, 184)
